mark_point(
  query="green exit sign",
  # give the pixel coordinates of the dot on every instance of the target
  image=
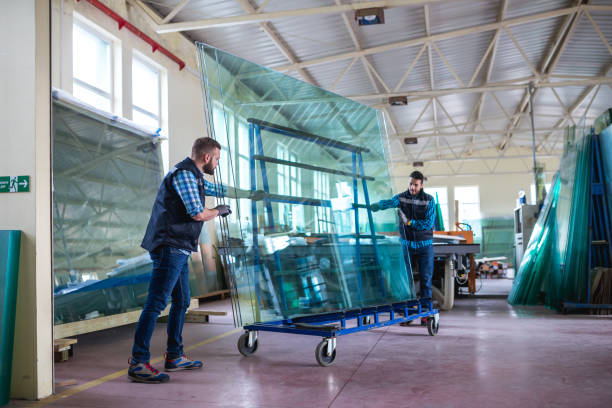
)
(14, 184)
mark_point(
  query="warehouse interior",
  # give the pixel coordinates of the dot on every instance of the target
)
(303, 296)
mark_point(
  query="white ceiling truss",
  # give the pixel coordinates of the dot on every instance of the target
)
(464, 65)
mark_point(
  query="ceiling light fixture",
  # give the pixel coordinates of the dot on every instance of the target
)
(370, 16)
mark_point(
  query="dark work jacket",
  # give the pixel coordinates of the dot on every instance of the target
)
(415, 208)
(170, 224)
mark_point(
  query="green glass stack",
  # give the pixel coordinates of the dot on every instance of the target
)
(9, 267)
(555, 266)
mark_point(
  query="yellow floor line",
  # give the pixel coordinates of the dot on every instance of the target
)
(83, 387)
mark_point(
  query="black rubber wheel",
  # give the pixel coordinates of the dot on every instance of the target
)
(432, 326)
(321, 354)
(243, 345)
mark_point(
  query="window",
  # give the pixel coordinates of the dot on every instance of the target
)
(469, 203)
(146, 93)
(321, 191)
(92, 66)
(533, 192)
(442, 196)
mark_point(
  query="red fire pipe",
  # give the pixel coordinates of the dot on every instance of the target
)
(124, 23)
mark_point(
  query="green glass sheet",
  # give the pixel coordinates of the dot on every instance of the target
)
(314, 256)
(555, 266)
(9, 267)
(106, 173)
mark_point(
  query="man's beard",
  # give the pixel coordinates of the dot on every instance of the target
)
(209, 169)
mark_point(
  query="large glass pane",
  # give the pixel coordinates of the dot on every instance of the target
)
(305, 242)
(106, 173)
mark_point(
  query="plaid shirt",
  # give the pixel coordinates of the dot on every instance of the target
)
(422, 225)
(214, 190)
(186, 186)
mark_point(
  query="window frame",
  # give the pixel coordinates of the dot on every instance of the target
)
(88, 26)
(137, 56)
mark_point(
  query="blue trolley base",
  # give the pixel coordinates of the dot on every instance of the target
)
(331, 325)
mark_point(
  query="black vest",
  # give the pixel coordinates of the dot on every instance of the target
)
(415, 208)
(169, 223)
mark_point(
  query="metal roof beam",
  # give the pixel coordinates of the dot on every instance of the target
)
(472, 159)
(174, 11)
(431, 74)
(260, 17)
(444, 36)
(548, 65)
(474, 132)
(494, 87)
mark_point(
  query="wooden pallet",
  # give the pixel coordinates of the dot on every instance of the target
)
(63, 349)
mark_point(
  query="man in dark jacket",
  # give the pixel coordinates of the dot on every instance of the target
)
(417, 213)
(172, 234)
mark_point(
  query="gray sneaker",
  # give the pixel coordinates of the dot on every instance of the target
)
(145, 373)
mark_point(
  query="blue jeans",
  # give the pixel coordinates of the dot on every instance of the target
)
(424, 258)
(170, 278)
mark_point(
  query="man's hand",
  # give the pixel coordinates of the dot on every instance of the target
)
(224, 210)
(257, 195)
(375, 207)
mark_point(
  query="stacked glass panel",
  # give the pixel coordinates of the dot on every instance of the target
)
(303, 165)
(555, 268)
(106, 173)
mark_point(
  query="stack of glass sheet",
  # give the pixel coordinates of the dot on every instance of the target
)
(106, 173)
(556, 261)
(308, 244)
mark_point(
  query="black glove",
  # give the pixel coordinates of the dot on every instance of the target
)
(257, 195)
(224, 210)
(375, 207)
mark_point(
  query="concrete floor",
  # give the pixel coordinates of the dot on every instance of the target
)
(486, 354)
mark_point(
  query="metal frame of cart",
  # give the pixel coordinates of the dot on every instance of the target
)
(332, 325)
(328, 325)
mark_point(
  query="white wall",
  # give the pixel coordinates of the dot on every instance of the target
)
(25, 119)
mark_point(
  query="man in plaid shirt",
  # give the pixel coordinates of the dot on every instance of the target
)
(172, 234)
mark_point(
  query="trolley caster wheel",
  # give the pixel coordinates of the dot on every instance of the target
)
(243, 345)
(432, 326)
(321, 354)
